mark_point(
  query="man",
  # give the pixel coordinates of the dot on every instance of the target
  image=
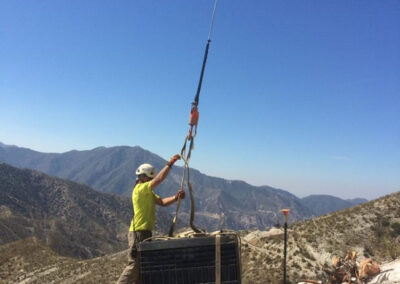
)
(142, 224)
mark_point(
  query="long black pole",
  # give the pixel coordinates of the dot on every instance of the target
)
(285, 214)
(196, 98)
(284, 255)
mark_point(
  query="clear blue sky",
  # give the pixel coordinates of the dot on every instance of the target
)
(299, 95)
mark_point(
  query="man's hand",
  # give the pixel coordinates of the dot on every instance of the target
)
(164, 172)
(171, 199)
(180, 194)
(173, 159)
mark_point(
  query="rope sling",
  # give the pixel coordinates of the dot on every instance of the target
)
(189, 139)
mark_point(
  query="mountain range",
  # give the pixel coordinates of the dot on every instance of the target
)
(72, 219)
(45, 220)
(219, 203)
(324, 204)
(371, 229)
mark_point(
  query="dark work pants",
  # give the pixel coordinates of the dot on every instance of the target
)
(131, 273)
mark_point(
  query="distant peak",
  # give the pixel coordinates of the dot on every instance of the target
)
(6, 146)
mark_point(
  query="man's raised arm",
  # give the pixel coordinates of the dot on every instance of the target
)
(160, 177)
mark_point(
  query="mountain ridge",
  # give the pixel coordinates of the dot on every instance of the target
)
(112, 170)
(322, 204)
(18, 163)
(371, 229)
(71, 218)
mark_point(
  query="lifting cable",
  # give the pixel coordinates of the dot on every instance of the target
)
(193, 121)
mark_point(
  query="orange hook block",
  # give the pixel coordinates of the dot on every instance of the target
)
(194, 116)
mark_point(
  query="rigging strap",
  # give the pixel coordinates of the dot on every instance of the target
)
(193, 121)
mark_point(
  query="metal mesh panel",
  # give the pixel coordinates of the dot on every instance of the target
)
(188, 261)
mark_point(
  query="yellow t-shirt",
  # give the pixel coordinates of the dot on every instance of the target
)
(144, 203)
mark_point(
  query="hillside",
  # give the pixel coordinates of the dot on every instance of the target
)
(72, 219)
(324, 204)
(372, 229)
(31, 261)
(219, 204)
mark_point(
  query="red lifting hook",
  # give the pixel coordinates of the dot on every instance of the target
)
(193, 121)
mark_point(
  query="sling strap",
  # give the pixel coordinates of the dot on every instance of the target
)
(189, 139)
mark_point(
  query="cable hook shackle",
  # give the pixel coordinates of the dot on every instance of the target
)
(193, 122)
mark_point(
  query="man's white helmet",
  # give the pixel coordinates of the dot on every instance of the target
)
(146, 169)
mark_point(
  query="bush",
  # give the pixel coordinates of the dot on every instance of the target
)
(296, 265)
(396, 230)
(385, 223)
(378, 230)
(368, 252)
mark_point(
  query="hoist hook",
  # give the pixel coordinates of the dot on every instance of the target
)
(193, 122)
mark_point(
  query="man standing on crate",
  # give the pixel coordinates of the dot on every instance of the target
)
(142, 224)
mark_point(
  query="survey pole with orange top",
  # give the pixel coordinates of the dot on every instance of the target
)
(286, 214)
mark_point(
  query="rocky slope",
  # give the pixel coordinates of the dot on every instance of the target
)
(31, 261)
(219, 204)
(390, 273)
(71, 218)
(372, 229)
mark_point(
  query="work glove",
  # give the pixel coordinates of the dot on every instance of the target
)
(180, 194)
(173, 159)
